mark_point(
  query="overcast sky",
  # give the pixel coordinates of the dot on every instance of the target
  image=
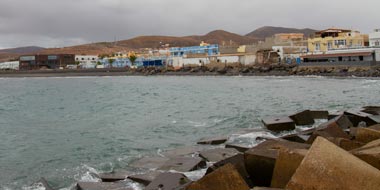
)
(57, 23)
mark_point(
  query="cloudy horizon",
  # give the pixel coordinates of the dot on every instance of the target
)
(55, 23)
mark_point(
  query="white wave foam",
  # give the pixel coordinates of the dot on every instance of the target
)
(195, 175)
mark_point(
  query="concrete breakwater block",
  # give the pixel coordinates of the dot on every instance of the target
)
(375, 127)
(101, 186)
(375, 118)
(169, 181)
(345, 144)
(225, 178)
(145, 178)
(183, 164)
(327, 166)
(149, 162)
(374, 110)
(370, 155)
(265, 188)
(213, 140)
(238, 162)
(218, 154)
(279, 124)
(238, 147)
(366, 135)
(300, 138)
(183, 151)
(328, 130)
(341, 121)
(303, 118)
(319, 114)
(357, 115)
(113, 176)
(260, 160)
(286, 165)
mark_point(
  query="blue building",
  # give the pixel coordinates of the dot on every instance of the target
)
(140, 62)
(210, 50)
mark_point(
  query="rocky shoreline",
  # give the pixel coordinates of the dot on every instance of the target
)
(219, 70)
(341, 152)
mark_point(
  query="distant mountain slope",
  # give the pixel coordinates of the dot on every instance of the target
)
(268, 31)
(223, 37)
(22, 50)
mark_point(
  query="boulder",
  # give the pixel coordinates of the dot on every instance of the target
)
(224, 178)
(327, 166)
(113, 176)
(286, 165)
(367, 135)
(319, 114)
(213, 140)
(169, 181)
(218, 154)
(260, 160)
(370, 155)
(149, 162)
(303, 118)
(356, 116)
(341, 121)
(279, 124)
(146, 178)
(238, 162)
(183, 164)
(346, 144)
(102, 186)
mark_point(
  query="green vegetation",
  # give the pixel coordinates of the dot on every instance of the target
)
(132, 58)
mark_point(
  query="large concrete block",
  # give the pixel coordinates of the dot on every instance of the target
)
(374, 110)
(224, 178)
(303, 118)
(346, 144)
(375, 127)
(183, 151)
(286, 165)
(327, 166)
(367, 135)
(341, 121)
(266, 188)
(145, 178)
(319, 114)
(375, 118)
(328, 130)
(370, 155)
(279, 124)
(184, 164)
(213, 140)
(238, 147)
(102, 186)
(218, 154)
(238, 162)
(149, 162)
(300, 138)
(260, 160)
(114, 176)
(169, 181)
(356, 116)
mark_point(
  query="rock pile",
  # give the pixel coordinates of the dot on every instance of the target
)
(341, 153)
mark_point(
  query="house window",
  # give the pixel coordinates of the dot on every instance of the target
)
(317, 47)
(377, 43)
(340, 42)
(329, 45)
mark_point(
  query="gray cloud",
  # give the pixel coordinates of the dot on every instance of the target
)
(53, 23)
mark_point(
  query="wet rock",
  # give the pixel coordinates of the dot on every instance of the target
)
(101, 186)
(113, 176)
(183, 151)
(168, 181)
(356, 116)
(342, 121)
(345, 144)
(218, 154)
(43, 184)
(327, 166)
(213, 140)
(303, 118)
(370, 155)
(224, 178)
(183, 164)
(286, 165)
(260, 160)
(319, 114)
(146, 178)
(300, 138)
(238, 162)
(329, 130)
(367, 135)
(149, 162)
(279, 124)
(238, 147)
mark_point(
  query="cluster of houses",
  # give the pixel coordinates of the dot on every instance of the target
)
(330, 46)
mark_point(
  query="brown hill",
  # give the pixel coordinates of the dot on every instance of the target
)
(268, 31)
(225, 38)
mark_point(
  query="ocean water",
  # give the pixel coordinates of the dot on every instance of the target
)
(64, 129)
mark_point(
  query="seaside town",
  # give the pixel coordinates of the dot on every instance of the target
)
(329, 47)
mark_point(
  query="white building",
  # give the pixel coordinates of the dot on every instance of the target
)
(12, 65)
(374, 38)
(87, 61)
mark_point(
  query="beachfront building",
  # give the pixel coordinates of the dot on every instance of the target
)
(290, 54)
(86, 61)
(374, 38)
(10, 65)
(207, 49)
(334, 38)
(49, 61)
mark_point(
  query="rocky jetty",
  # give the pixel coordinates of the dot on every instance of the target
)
(321, 150)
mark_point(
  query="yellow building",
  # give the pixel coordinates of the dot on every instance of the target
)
(334, 38)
